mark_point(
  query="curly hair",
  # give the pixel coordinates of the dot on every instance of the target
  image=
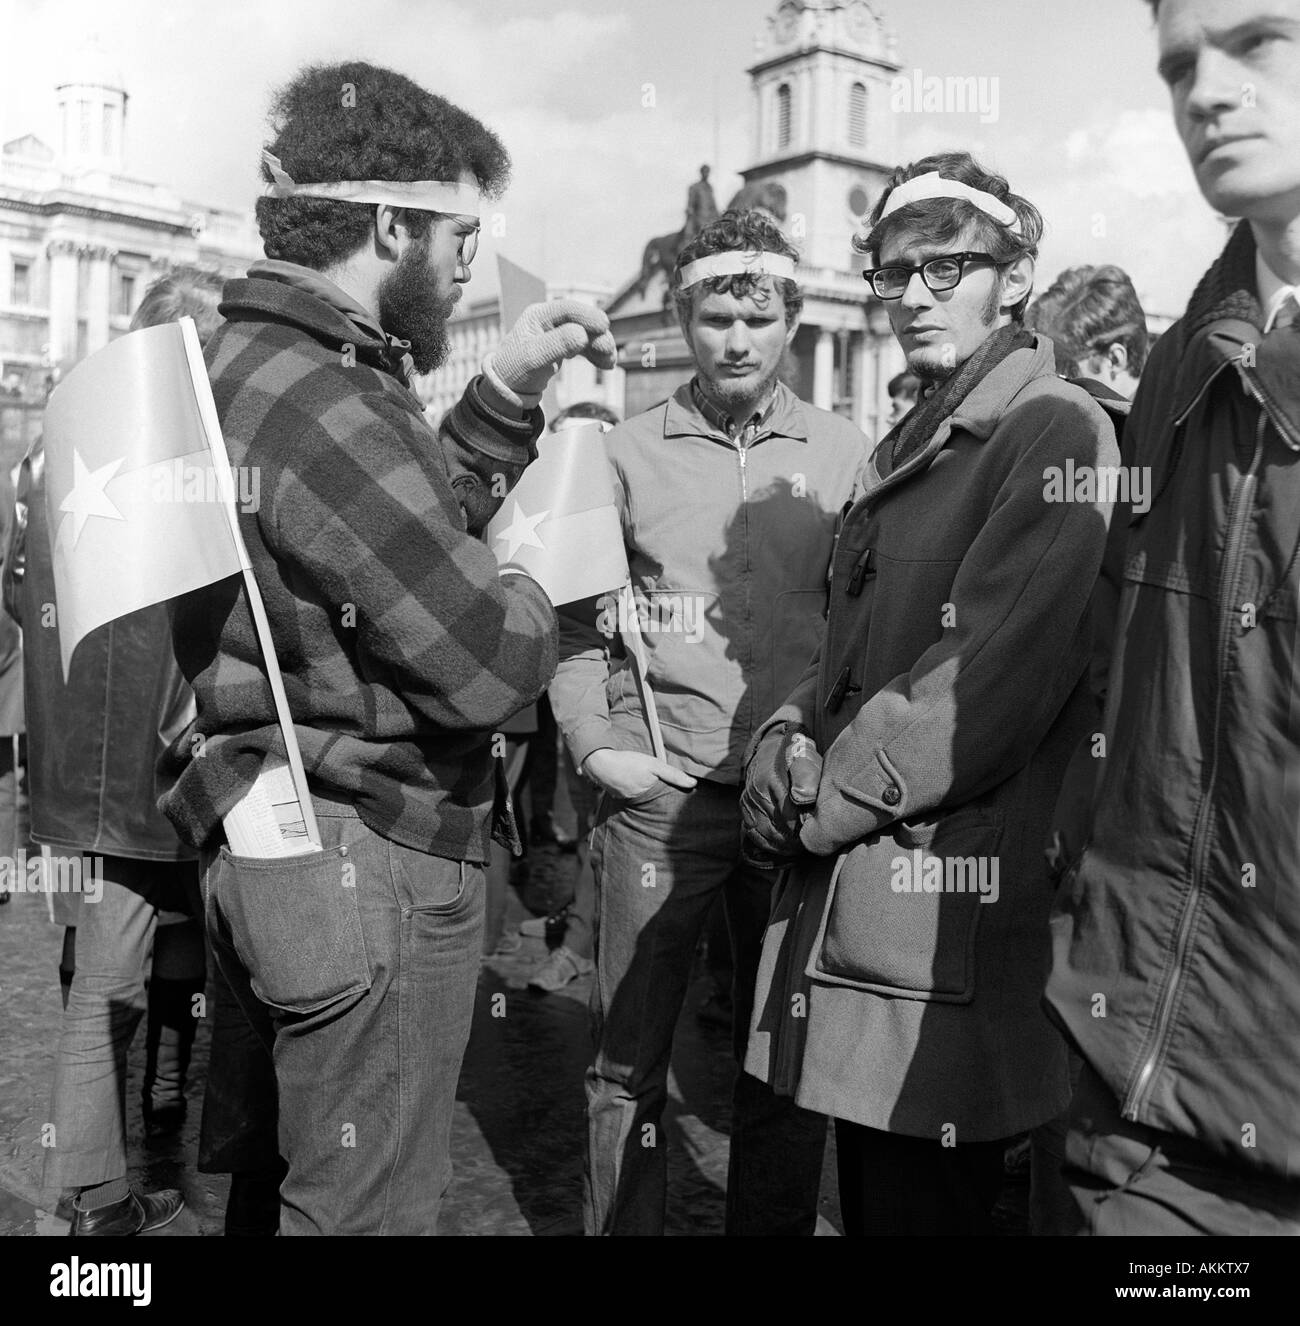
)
(1087, 309)
(735, 231)
(357, 121)
(941, 221)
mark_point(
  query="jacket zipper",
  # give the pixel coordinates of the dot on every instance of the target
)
(1266, 404)
(1238, 520)
(749, 578)
(1204, 387)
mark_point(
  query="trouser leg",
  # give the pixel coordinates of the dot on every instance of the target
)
(777, 1149)
(105, 1003)
(656, 873)
(176, 985)
(891, 1184)
(370, 1154)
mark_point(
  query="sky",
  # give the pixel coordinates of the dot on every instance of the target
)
(1083, 127)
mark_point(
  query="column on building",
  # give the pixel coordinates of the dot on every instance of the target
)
(844, 372)
(824, 370)
(63, 300)
(99, 296)
(865, 375)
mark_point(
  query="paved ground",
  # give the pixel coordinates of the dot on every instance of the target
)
(519, 1119)
(518, 1128)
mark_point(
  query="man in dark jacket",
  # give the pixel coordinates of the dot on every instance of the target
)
(95, 737)
(402, 648)
(903, 967)
(1177, 933)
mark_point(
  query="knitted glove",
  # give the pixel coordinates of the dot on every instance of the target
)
(526, 359)
(780, 788)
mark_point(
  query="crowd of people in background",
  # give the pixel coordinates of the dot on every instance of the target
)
(979, 779)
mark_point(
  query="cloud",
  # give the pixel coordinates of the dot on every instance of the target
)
(1117, 189)
(1125, 193)
(585, 199)
(596, 173)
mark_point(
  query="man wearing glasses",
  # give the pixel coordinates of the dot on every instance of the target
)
(401, 646)
(907, 950)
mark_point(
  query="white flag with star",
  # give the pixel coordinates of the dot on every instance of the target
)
(139, 500)
(559, 522)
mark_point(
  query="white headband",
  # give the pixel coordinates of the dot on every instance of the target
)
(734, 262)
(426, 195)
(934, 185)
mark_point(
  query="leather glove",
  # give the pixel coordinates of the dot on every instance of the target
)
(545, 335)
(781, 784)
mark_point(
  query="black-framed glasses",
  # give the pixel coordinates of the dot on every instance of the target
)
(941, 273)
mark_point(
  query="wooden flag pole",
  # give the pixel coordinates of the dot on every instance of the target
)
(217, 444)
(640, 666)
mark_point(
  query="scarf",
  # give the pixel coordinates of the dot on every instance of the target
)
(915, 429)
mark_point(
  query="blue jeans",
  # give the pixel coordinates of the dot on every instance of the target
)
(659, 862)
(359, 964)
(115, 939)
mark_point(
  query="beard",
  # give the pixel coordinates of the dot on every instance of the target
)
(410, 310)
(734, 394)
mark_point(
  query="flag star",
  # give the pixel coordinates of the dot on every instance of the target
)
(522, 531)
(88, 497)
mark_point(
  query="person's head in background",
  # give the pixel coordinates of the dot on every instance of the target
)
(585, 412)
(903, 389)
(1096, 323)
(181, 294)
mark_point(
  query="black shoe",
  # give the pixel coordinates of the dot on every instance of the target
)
(163, 1120)
(134, 1214)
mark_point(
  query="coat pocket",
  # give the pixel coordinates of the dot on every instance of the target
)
(904, 908)
(296, 924)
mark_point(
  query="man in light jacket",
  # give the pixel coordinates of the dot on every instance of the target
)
(728, 494)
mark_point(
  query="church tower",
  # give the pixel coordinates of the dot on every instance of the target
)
(822, 125)
(92, 115)
(824, 136)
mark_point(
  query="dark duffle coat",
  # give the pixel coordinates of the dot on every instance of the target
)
(906, 957)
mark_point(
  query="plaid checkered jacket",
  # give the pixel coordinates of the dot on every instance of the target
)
(401, 648)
